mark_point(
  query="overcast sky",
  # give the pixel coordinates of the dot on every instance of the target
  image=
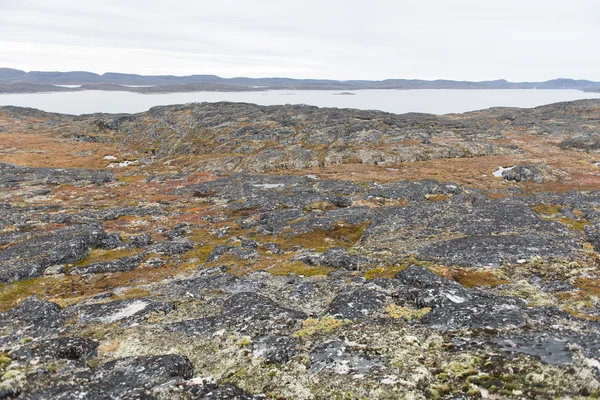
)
(519, 40)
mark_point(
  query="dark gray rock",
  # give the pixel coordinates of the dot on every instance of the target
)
(492, 313)
(423, 288)
(357, 304)
(111, 241)
(171, 248)
(141, 240)
(272, 248)
(246, 312)
(12, 176)
(198, 326)
(496, 250)
(196, 286)
(217, 252)
(476, 233)
(143, 372)
(209, 390)
(274, 349)
(125, 379)
(413, 191)
(94, 391)
(33, 311)
(29, 257)
(339, 358)
(338, 257)
(121, 265)
(454, 307)
(122, 311)
(68, 348)
(549, 349)
(342, 201)
(524, 173)
(178, 231)
(254, 307)
(581, 143)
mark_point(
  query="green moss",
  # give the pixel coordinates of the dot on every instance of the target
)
(198, 256)
(397, 312)
(98, 255)
(323, 325)
(383, 272)
(344, 235)
(244, 342)
(299, 268)
(4, 361)
(552, 212)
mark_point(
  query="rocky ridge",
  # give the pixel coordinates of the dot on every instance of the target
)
(166, 279)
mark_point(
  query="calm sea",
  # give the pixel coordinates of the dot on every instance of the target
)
(395, 101)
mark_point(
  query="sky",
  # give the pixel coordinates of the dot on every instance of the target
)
(517, 40)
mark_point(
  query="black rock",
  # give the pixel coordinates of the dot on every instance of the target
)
(273, 248)
(90, 391)
(338, 257)
(357, 304)
(342, 201)
(29, 257)
(68, 348)
(122, 311)
(171, 248)
(217, 252)
(254, 307)
(209, 390)
(142, 240)
(495, 250)
(494, 313)
(423, 288)
(121, 265)
(524, 173)
(143, 372)
(13, 175)
(274, 349)
(33, 311)
(339, 358)
(246, 312)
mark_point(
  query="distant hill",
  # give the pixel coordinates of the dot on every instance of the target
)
(17, 81)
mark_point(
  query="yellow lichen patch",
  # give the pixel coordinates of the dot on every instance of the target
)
(381, 202)
(98, 255)
(589, 287)
(471, 278)
(134, 293)
(324, 325)
(320, 240)
(573, 224)
(384, 272)
(198, 255)
(552, 212)
(299, 268)
(132, 178)
(398, 312)
(66, 290)
(546, 209)
(321, 206)
(109, 346)
(438, 197)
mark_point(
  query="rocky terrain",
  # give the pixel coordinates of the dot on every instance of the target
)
(232, 251)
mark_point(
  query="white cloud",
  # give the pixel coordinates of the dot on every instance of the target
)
(429, 39)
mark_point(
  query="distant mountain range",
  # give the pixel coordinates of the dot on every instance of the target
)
(17, 81)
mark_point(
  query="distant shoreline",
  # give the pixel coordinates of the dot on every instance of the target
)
(41, 89)
(14, 81)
